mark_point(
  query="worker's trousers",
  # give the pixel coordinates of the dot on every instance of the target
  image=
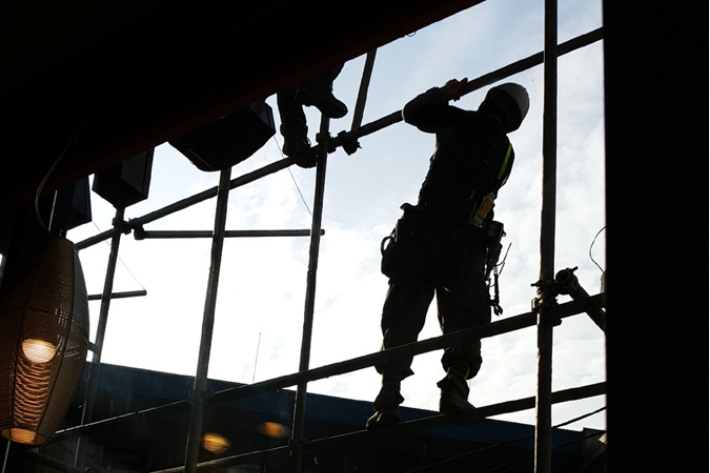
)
(457, 279)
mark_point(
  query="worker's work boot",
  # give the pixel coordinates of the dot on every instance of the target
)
(454, 393)
(386, 407)
(319, 95)
(296, 143)
(387, 402)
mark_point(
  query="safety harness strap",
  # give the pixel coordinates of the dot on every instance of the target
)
(505, 162)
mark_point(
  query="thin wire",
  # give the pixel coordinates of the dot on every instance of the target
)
(54, 165)
(498, 269)
(46, 178)
(509, 442)
(592, 245)
(121, 260)
(502, 263)
(256, 358)
(278, 146)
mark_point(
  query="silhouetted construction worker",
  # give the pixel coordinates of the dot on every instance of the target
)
(440, 245)
(315, 92)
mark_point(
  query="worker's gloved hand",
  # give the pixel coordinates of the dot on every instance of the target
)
(454, 88)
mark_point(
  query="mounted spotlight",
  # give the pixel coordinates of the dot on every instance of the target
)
(229, 140)
(126, 183)
(44, 335)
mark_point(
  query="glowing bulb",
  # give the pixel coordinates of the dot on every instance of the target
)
(38, 351)
(214, 443)
(25, 436)
(272, 429)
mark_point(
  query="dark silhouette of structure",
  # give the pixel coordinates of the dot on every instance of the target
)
(130, 78)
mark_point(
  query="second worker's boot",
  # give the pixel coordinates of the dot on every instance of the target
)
(387, 402)
(296, 143)
(318, 94)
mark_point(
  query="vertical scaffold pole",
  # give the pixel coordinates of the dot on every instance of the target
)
(299, 410)
(92, 382)
(198, 396)
(362, 93)
(543, 425)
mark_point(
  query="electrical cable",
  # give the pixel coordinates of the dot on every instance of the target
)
(510, 442)
(54, 165)
(501, 265)
(121, 260)
(278, 145)
(592, 245)
(44, 182)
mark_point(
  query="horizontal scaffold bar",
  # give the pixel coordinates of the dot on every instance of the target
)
(159, 234)
(475, 84)
(455, 338)
(119, 295)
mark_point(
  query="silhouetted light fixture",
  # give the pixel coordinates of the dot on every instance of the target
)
(44, 335)
(229, 140)
(272, 429)
(215, 443)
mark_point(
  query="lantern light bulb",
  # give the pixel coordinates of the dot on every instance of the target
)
(38, 351)
(24, 436)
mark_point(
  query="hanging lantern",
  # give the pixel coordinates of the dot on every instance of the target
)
(44, 335)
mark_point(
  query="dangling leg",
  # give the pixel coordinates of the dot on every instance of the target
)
(318, 93)
(293, 128)
(403, 317)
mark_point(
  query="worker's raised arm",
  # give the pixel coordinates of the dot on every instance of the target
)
(430, 111)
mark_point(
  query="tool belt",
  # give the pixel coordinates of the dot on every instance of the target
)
(409, 249)
(417, 244)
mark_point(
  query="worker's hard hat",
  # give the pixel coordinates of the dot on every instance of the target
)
(519, 95)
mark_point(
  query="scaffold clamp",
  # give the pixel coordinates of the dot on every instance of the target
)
(547, 291)
(349, 143)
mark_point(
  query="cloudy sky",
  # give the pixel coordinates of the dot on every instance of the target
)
(260, 305)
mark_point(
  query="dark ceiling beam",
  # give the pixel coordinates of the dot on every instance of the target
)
(178, 66)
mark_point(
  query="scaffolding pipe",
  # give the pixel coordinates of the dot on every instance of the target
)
(567, 283)
(437, 420)
(97, 347)
(171, 234)
(486, 79)
(362, 93)
(190, 201)
(118, 295)
(440, 420)
(454, 338)
(507, 325)
(199, 393)
(367, 129)
(546, 310)
(299, 411)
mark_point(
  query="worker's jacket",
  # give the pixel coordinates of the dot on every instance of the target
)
(473, 155)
